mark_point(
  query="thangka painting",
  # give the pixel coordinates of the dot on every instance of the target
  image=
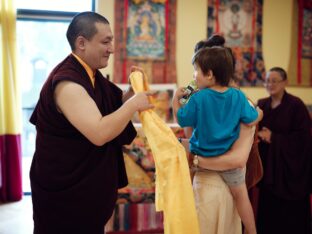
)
(144, 36)
(240, 23)
(304, 51)
(146, 30)
(307, 33)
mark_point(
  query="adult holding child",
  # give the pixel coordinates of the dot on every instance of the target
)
(214, 133)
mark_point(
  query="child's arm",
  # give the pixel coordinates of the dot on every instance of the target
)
(259, 118)
(179, 93)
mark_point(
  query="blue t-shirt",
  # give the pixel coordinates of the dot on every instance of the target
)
(215, 118)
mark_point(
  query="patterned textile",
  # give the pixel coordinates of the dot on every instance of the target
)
(145, 37)
(135, 217)
(307, 33)
(146, 30)
(307, 30)
(140, 167)
(304, 52)
(240, 22)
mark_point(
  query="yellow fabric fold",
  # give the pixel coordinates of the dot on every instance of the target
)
(174, 193)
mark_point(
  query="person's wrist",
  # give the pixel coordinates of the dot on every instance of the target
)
(195, 161)
(131, 104)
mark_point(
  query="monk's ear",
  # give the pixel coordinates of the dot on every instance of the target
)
(80, 43)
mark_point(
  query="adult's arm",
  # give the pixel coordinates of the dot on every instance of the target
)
(236, 157)
(81, 111)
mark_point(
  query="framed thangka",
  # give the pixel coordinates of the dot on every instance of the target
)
(307, 33)
(146, 30)
(144, 36)
(304, 52)
(240, 22)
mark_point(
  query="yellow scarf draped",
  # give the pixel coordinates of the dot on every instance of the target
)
(174, 193)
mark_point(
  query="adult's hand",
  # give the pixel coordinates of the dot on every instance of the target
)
(265, 134)
(236, 157)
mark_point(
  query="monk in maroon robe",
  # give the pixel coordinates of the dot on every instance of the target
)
(286, 151)
(82, 122)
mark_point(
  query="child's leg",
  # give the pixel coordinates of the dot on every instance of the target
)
(244, 208)
(235, 179)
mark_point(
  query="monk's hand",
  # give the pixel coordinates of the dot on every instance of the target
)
(136, 68)
(133, 69)
(265, 134)
(141, 101)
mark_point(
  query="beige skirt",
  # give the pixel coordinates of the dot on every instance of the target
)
(215, 207)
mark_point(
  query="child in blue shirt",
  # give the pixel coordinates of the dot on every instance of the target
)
(215, 113)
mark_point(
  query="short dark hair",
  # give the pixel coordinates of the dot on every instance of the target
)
(214, 40)
(281, 71)
(83, 24)
(217, 59)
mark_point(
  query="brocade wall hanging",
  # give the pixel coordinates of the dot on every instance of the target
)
(304, 37)
(145, 37)
(240, 22)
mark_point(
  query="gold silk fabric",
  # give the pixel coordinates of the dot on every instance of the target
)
(174, 193)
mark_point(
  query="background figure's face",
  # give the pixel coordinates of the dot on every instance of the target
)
(274, 83)
(99, 47)
(202, 81)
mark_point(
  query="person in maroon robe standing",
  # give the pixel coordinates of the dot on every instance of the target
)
(286, 150)
(82, 122)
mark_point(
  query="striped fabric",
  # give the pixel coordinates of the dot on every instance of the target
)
(140, 217)
(10, 108)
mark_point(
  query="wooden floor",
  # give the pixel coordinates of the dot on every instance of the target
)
(16, 217)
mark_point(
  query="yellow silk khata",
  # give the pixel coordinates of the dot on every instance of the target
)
(174, 193)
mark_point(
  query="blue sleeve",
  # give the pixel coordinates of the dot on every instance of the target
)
(249, 112)
(186, 115)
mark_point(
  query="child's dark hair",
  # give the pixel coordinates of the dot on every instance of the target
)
(214, 40)
(218, 60)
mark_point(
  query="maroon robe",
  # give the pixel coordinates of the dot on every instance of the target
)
(74, 182)
(284, 189)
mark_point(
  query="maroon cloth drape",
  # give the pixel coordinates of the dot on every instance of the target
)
(10, 168)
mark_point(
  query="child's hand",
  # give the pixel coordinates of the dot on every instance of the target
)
(179, 93)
